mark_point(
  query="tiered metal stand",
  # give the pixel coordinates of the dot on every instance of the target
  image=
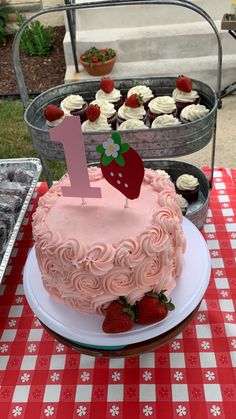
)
(153, 144)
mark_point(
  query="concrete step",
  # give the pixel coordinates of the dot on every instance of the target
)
(146, 15)
(153, 42)
(200, 68)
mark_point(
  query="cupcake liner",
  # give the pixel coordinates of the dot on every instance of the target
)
(190, 196)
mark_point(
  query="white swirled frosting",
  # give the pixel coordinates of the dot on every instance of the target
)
(91, 254)
(55, 123)
(187, 182)
(142, 90)
(100, 124)
(183, 203)
(165, 121)
(126, 112)
(72, 102)
(180, 96)
(132, 124)
(113, 97)
(107, 108)
(162, 104)
(193, 112)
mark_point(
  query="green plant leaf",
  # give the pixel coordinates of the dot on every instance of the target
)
(100, 149)
(116, 137)
(124, 147)
(120, 160)
(106, 160)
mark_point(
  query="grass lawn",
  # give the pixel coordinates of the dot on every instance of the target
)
(14, 137)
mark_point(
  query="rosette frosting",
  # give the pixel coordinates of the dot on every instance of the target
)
(100, 124)
(180, 96)
(132, 124)
(72, 102)
(89, 255)
(113, 97)
(187, 182)
(193, 112)
(126, 112)
(142, 90)
(107, 108)
(165, 121)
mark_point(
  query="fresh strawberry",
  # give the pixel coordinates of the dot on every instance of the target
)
(153, 308)
(93, 112)
(107, 84)
(184, 84)
(134, 101)
(119, 317)
(52, 112)
(121, 166)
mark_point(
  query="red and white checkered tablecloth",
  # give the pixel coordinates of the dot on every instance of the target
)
(193, 376)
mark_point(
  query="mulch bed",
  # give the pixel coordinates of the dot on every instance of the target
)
(40, 73)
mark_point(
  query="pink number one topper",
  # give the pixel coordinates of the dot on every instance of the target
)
(69, 133)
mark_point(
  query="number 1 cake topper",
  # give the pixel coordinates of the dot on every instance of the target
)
(121, 166)
(69, 133)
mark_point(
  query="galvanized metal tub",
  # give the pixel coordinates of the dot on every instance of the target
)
(150, 143)
(197, 210)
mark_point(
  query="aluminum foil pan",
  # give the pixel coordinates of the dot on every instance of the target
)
(33, 166)
(197, 210)
(150, 143)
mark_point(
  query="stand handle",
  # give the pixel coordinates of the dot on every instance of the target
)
(187, 4)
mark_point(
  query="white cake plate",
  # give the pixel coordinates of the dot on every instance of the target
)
(86, 329)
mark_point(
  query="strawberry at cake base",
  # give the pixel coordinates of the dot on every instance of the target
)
(91, 254)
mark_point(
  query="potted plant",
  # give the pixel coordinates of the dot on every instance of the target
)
(98, 61)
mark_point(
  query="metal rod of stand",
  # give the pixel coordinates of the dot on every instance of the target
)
(72, 35)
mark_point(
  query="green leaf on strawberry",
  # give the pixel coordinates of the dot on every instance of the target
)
(100, 149)
(120, 160)
(116, 138)
(106, 160)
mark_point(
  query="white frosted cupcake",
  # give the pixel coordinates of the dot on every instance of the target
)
(132, 124)
(144, 91)
(183, 203)
(95, 120)
(165, 121)
(188, 186)
(107, 110)
(76, 105)
(193, 112)
(132, 109)
(109, 93)
(183, 99)
(161, 105)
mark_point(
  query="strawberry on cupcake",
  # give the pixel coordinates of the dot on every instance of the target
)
(108, 92)
(183, 93)
(132, 109)
(144, 91)
(54, 115)
(95, 121)
(108, 110)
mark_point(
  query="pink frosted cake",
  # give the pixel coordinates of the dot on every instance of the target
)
(91, 254)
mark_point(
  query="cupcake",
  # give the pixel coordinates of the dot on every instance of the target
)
(144, 91)
(161, 105)
(183, 93)
(183, 203)
(54, 115)
(107, 110)
(76, 105)
(165, 121)
(188, 187)
(95, 121)
(108, 93)
(132, 109)
(193, 112)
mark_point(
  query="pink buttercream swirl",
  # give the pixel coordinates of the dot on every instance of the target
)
(153, 240)
(118, 281)
(99, 258)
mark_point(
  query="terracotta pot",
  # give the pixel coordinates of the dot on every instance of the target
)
(100, 68)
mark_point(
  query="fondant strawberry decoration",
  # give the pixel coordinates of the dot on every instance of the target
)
(93, 112)
(107, 84)
(121, 166)
(153, 308)
(134, 101)
(52, 112)
(184, 84)
(119, 317)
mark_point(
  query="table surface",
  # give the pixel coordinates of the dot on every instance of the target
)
(193, 376)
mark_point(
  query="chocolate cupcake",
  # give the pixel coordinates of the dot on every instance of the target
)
(107, 110)
(108, 93)
(76, 105)
(132, 109)
(188, 186)
(193, 112)
(144, 91)
(161, 105)
(183, 94)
